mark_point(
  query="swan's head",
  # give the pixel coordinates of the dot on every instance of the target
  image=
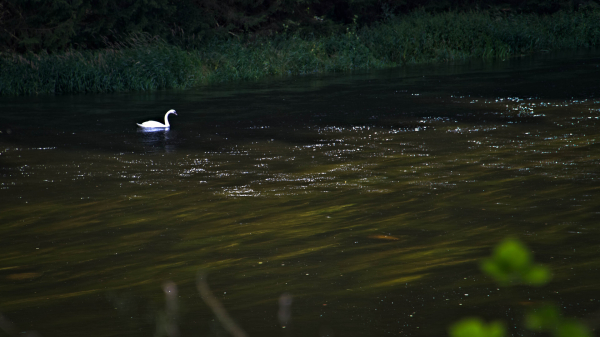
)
(172, 112)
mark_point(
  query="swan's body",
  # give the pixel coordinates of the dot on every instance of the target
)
(154, 124)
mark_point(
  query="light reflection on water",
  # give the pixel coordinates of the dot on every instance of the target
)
(368, 198)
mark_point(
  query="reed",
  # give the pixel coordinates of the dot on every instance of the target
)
(144, 63)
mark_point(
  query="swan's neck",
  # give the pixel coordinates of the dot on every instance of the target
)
(167, 119)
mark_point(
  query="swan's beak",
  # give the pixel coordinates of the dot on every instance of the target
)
(175, 113)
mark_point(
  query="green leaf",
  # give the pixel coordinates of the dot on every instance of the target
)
(544, 318)
(476, 327)
(512, 255)
(491, 268)
(572, 328)
(537, 275)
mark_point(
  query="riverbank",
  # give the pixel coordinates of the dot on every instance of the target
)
(142, 63)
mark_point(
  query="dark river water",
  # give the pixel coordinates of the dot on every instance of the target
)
(367, 200)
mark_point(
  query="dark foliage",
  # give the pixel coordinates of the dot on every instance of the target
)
(39, 25)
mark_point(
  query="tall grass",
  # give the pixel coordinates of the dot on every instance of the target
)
(424, 38)
(142, 63)
(136, 66)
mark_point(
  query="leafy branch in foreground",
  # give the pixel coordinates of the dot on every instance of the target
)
(512, 263)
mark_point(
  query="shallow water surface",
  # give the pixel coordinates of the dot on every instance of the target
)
(368, 198)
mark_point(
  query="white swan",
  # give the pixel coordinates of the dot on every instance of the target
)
(154, 124)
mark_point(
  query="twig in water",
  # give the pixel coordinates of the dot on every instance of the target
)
(171, 328)
(284, 314)
(218, 309)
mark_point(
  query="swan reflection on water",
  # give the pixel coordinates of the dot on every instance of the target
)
(154, 139)
(157, 134)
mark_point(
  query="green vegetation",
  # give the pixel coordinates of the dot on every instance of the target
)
(548, 319)
(60, 25)
(142, 62)
(476, 327)
(510, 264)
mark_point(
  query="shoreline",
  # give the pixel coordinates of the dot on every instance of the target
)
(145, 64)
